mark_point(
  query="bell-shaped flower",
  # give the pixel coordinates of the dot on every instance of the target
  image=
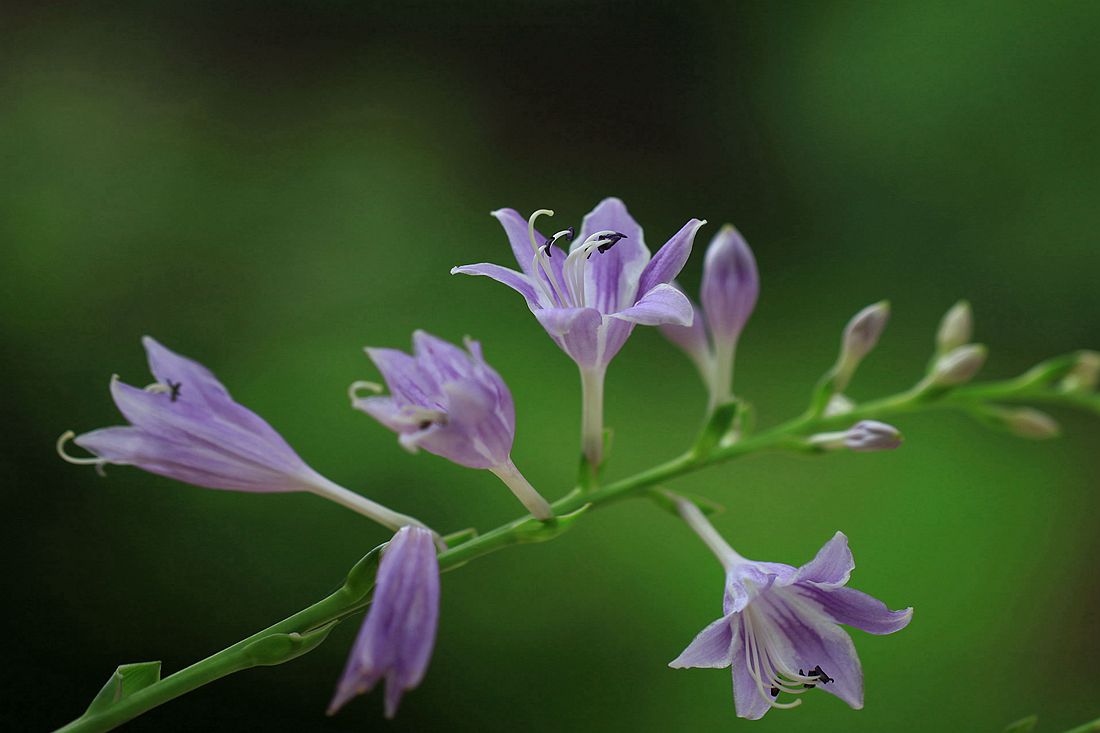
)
(398, 635)
(728, 295)
(186, 426)
(449, 402)
(780, 629)
(590, 299)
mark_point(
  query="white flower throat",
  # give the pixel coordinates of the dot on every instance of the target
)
(569, 290)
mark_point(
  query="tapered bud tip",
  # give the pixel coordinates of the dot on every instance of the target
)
(1028, 422)
(730, 285)
(863, 331)
(958, 365)
(1085, 375)
(871, 435)
(956, 328)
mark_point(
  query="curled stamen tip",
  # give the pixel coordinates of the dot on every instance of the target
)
(355, 387)
(94, 461)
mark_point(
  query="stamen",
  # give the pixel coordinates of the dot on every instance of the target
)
(97, 461)
(355, 387)
(157, 388)
(531, 227)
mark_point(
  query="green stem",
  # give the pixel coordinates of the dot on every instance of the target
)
(345, 602)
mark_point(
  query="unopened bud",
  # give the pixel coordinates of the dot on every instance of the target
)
(958, 366)
(1028, 422)
(838, 405)
(956, 328)
(864, 436)
(1085, 374)
(860, 336)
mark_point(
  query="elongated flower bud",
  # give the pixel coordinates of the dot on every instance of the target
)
(860, 336)
(1085, 374)
(730, 285)
(865, 436)
(1027, 422)
(958, 366)
(728, 296)
(398, 635)
(956, 328)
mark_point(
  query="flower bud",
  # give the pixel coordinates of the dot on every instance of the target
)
(865, 436)
(1085, 374)
(1028, 422)
(956, 328)
(730, 285)
(860, 336)
(958, 365)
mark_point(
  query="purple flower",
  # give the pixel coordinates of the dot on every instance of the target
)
(780, 630)
(728, 293)
(449, 402)
(590, 299)
(186, 426)
(397, 637)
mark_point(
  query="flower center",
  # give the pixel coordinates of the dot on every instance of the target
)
(766, 665)
(564, 284)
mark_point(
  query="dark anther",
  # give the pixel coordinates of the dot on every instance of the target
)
(174, 389)
(424, 425)
(612, 240)
(570, 233)
(546, 247)
(816, 672)
(775, 692)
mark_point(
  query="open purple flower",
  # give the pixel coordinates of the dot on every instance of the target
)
(186, 426)
(449, 402)
(397, 637)
(728, 295)
(590, 299)
(780, 626)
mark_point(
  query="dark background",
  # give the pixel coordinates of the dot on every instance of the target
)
(268, 187)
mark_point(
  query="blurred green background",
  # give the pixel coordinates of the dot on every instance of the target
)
(268, 188)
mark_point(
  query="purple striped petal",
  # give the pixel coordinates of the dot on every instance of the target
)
(235, 430)
(692, 340)
(515, 280)
(670, 259)
(515, 227)
(612, 276)
(713, 647)
(747, 698)
(398, 635)
(832, 566)
(855, 608)
(408, 381)
(662, 304)
(804, 638)
(576, 331)
(193, 462)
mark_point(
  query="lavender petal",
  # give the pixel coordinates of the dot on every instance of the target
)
(670, 258)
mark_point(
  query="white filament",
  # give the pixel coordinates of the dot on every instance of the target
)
(765, 665)
(96, 461)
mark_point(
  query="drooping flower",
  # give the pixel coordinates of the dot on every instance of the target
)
(728, 295)
(590, 299)
(398, 635)
(449, 402)
(186, 426)
(780, 631)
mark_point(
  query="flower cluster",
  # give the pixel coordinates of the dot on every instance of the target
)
(780, 629)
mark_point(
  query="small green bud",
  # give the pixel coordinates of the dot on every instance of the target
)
(958, 366)
(1085, 374)
(956, 328)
